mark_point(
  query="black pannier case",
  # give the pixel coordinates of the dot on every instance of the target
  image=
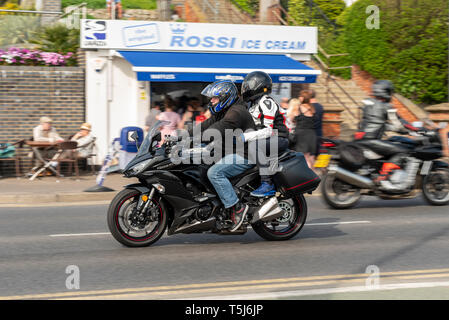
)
(295, 176)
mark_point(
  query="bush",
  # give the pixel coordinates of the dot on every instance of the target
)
(307, 15)
(101, 4)
(410, 48)
(249, 6)
(26, 57)
(58, 38)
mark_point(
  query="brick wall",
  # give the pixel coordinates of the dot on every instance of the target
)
(364, 80)
(28, 93)
(191, 12)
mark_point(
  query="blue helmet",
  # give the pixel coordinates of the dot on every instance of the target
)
(225, 91)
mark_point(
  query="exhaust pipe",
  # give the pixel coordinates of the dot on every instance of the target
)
(352, 178)
(270, 210)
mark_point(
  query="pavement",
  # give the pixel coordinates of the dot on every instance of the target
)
(50, 189)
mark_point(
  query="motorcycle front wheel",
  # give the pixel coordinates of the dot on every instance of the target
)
(338, 194)
(288, 225)
(132, 229)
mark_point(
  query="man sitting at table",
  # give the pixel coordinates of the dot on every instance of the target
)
(46, 133)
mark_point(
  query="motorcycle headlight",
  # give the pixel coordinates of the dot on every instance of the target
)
(138, 168)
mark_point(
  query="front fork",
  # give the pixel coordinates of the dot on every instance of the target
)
(145, 200)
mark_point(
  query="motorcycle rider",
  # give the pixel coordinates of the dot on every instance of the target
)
(270, 122)
(228, 112)
(379, 116)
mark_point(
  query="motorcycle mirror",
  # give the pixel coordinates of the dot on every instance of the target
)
(135, 137)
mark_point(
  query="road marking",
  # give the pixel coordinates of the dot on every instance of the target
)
(108, 233)
(80, 234)
(233, 286)
(313, 292)
(336, 223)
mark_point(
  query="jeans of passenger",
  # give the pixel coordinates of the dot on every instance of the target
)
(219, 174)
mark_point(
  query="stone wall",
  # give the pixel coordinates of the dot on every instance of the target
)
(28, 93)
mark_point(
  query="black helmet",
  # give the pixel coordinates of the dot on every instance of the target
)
(383, 89)
(225, 91)
(255, 85)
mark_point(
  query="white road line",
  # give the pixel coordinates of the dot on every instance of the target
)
(79, 234)
(108, 233)
(336, 223)
(312, 292)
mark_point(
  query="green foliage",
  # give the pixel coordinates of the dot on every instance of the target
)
(307, 14)
(249, 6)
(101, 4)
(410, 47)
(58, 38)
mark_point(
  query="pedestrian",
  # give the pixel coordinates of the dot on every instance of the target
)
(318, 123)
(118, 8)
(193, 111)
(304, 133)
(284, 103)
(172, 117)
(150, 120)
(292, 112)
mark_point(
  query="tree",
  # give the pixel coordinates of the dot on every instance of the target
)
(410, 47)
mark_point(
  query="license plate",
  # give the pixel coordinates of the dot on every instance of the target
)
(322, 161)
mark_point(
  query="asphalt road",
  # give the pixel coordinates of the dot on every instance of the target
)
(44, 249)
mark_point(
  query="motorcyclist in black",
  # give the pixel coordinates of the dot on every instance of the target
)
(228, 112)
(379, 115)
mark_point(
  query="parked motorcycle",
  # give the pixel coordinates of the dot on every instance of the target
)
(180, 198)
(397, 168)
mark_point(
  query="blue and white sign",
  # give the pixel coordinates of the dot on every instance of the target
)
(201, 37)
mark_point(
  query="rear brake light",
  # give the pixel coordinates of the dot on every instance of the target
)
(328, 144)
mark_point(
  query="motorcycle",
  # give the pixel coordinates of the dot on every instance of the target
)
(179, 198)
(397, 168)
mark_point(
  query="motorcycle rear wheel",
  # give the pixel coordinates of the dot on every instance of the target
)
(121, 225)
(435, 187)
(287, 226)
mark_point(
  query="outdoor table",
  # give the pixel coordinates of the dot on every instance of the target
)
(36, 146)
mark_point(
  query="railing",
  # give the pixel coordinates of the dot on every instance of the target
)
(324, 67)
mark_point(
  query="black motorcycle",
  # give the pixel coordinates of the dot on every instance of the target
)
(180, 198)
(357, 168)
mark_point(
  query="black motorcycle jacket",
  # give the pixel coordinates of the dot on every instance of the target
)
(235, 117)
(379, 117)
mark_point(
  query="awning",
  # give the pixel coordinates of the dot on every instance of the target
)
(209, 67)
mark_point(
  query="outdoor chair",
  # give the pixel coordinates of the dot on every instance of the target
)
(16, 158)
(68, 156)
(90, 156)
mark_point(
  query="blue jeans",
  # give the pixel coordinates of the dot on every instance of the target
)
(219, 174)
